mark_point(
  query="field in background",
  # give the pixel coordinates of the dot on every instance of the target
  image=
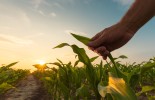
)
(107, 80)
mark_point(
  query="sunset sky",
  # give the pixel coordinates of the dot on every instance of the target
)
(29, 29)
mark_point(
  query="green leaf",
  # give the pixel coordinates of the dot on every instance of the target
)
(83, 91)
(58, 64)
(12, 64)
(82, 39)
(117, 71)
(101, 70)
(90, 72)
(81, 54)
(118, 89)
(123, 57)
(4, 87)
(76, 63)
(64, 89)
(61, 45)
(134, 79)
(147, 67)
(146, 89)
(85, 41)
(93, 59)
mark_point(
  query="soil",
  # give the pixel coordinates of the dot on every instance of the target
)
(29, 88)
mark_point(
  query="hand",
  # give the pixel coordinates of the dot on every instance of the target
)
(110, 39)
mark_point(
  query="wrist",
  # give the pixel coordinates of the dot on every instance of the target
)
(130, 26)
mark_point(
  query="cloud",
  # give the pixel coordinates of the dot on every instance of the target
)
(37, 3)
(124, 2)
(75, 32)
(12, 15)
(25, 18)
(41, 12)
(5, 39)
(14, 40)
(58, 5)
(53, 14)
(34, 35)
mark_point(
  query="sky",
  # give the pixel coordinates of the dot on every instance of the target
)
(29, 29)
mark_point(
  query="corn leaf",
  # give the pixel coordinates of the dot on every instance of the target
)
(64, 89)
(82, 39)
(10, 65)
(83, 91)
(118, 89)
(4, 87)
(93, 58)
(76, 63)
(81, 54)
(146, 89)
(85, 40)
(123, 57)
(147, 67)
(61, 45)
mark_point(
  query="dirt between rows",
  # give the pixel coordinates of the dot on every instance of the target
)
(29, 88)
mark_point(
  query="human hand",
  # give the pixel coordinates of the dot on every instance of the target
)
(110, 39)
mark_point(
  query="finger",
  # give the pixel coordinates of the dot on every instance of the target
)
(96, 36)
(101, 49)
(105, 55)
(110, 47)
(96, 43)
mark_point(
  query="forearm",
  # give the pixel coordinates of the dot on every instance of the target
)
(139, 13)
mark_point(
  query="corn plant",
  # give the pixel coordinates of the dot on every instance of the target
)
(9, 77)
(110, 81)
(127, 78)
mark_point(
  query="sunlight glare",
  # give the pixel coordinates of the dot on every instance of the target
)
(41, 62)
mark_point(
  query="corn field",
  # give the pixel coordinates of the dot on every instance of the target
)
(104, 81)
(9, 77)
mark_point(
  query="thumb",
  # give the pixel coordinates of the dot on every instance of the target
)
(96, 43)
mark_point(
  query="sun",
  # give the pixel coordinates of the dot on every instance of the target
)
(41, 62)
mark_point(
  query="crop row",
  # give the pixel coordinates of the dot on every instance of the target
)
(109, 81)
(9, 77)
